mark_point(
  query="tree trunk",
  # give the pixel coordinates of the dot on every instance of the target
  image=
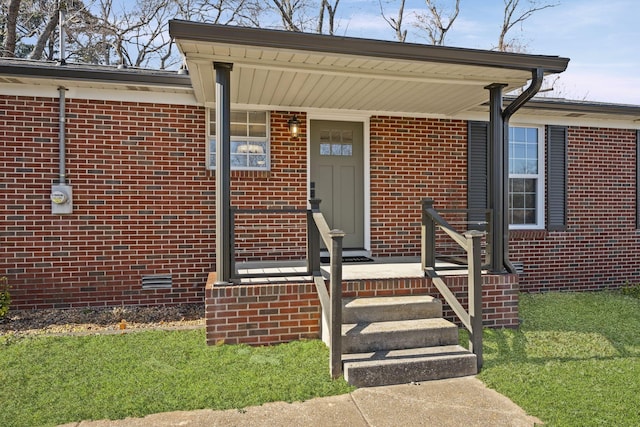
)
(38, 49)
(9, 47)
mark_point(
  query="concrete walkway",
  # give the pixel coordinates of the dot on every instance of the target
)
(453, 402)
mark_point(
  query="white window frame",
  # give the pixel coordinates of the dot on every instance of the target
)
(211, 138)
(540, 177)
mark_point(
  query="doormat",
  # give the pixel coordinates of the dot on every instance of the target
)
(326, 260)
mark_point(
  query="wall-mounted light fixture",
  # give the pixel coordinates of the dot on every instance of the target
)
(294, 126)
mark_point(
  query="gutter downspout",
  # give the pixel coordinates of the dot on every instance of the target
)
(499, 169)
(61, 193)
(523, 98)
(62, 135)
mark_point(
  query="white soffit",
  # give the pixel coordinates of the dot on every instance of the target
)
(293, 79)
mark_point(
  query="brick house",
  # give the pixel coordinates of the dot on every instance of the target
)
(381, 126)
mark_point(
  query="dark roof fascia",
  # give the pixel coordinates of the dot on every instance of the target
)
(85, 73)
(215, 33)
(579, 107)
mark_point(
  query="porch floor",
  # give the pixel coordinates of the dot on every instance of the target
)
(380, 268)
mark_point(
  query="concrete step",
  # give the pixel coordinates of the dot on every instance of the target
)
(397, 334)
(380, 309)
(404, 366)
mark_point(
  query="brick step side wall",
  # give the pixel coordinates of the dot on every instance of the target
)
(277, 313)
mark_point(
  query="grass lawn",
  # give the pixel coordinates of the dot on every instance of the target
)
(56, 380)
(575, 360)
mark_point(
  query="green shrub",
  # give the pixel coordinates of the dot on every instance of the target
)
(631, 290)
(5, 297)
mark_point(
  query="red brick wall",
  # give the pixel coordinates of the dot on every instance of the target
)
(144, 203)
(274, 236)
(275, 313)
(601, 246)
(412, 159)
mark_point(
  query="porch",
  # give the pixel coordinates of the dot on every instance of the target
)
(379, 318)
(264, 272)
(358, 79)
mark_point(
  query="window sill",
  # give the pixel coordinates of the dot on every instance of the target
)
(527, 234)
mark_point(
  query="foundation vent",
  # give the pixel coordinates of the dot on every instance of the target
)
(519, 267)
(160, 281)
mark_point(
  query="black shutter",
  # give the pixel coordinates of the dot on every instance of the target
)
(556, 178)
(477, 172)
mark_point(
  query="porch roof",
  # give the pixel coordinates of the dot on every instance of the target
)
(306, 71)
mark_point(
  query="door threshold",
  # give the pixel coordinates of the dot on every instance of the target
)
(348, 252)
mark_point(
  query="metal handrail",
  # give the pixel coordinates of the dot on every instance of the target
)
(234, 212)
(331, 302)
(470, 241)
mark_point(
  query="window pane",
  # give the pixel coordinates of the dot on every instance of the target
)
(523, 160)
(257, 130)
(530, 185)
(519, 151)
(257, 117)
(257, 161)
(238, 116)
(325, 149)
(238, 129)
(238, 160)
(530, 201)
(517, 201)
(249, 137)
(530, 216)
(518, 166)
(516, 185)
(517, 216)
(522, 201)
(518, 135)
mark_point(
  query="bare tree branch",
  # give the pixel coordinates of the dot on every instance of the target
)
(45, 35)
(395, 23)
(435, 23)
(513, 16)
(330, 9)
(287, 9)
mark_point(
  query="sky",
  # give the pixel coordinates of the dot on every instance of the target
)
(601, 37)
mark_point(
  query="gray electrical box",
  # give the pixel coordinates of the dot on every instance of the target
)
(61, 199)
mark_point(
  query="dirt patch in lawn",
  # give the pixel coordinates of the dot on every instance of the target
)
(101, 320)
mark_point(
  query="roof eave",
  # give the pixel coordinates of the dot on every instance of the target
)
(580, 107)
(234, 35)
(87, 74)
